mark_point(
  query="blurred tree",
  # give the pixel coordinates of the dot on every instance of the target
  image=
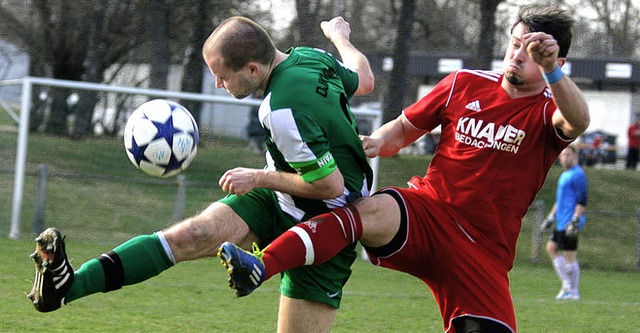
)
(394, 100)
(82, 40)
(618, 26)
(305, 26)
(95, 52)
(428, 27)
(64, 44)
(85, 40)
(308, 21)
(447, 27)
(486, 40)
(158, 36)
(200, 12)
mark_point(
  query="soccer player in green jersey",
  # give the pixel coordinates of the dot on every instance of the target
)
(315, 162)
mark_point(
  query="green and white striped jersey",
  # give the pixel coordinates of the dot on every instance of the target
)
(310, 129)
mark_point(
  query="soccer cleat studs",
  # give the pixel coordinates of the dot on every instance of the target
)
(54, 274)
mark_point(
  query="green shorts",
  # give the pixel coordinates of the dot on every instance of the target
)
(321, 283)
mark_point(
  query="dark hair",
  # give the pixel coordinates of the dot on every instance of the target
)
(548, 19)
(243, 41)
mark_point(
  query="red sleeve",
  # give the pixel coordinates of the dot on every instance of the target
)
(426, 113)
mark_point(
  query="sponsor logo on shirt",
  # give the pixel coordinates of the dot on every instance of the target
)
(480, 134)
(474, 106)
(325, 159)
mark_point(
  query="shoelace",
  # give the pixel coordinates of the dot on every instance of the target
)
(256, 250)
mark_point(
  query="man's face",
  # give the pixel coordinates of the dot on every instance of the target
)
(238, 84)
(519, 67)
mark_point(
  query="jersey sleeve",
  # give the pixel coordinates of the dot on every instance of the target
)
(426, 113)
(555, 136)
(302, 143)
(349, 78)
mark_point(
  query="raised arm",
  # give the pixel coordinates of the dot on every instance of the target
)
(338, 31)
(572, 115)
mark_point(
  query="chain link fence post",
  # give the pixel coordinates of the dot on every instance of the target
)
(181, 197)
(40, 200)
(638, 239)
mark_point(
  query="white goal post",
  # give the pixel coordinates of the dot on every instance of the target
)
(27, 84)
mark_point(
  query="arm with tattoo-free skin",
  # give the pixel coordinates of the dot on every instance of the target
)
(572, 115)
(338, 31)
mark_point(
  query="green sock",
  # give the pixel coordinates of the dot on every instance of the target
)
(141, 258)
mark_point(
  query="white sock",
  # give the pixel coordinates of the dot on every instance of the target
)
(573, 275)
(166, 247)
(560, 265)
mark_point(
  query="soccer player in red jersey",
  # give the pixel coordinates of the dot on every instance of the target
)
(455, 228)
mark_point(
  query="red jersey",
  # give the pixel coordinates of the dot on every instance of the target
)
(493, 156)
(634, 135)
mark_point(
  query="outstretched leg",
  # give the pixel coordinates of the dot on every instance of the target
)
(136, 260)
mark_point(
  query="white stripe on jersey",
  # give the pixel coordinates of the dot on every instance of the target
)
(490, 75)
(285, 133)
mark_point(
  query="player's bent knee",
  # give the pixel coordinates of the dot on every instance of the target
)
(189, 240)
(380, 217)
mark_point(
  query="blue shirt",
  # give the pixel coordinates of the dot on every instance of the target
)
(572, 190)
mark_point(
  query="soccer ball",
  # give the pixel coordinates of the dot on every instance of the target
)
(161, 138)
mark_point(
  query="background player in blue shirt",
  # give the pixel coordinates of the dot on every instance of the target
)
(568, 213)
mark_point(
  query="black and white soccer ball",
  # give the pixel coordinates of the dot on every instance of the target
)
(161, 138)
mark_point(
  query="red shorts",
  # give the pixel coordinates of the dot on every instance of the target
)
(463, 275)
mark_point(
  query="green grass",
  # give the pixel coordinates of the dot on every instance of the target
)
(99, 213)
(193, 297)
(6, 120)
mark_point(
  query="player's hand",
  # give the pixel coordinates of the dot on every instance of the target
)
(543, 49)
(239, 181)
(370, 146)
(336, 28)
(547, 223)
(571, 230)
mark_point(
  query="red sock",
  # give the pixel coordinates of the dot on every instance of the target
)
(313, 242)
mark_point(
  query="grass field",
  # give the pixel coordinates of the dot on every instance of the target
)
(99, 200)
(193, 297)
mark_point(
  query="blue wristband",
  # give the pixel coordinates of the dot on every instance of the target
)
(554, 76)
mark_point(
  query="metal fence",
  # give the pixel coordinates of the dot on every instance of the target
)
(27, 84)
(611, 238)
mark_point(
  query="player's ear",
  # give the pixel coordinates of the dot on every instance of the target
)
(254, 69)
(562, 61)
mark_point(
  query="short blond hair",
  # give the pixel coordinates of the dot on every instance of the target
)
(240, 40)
